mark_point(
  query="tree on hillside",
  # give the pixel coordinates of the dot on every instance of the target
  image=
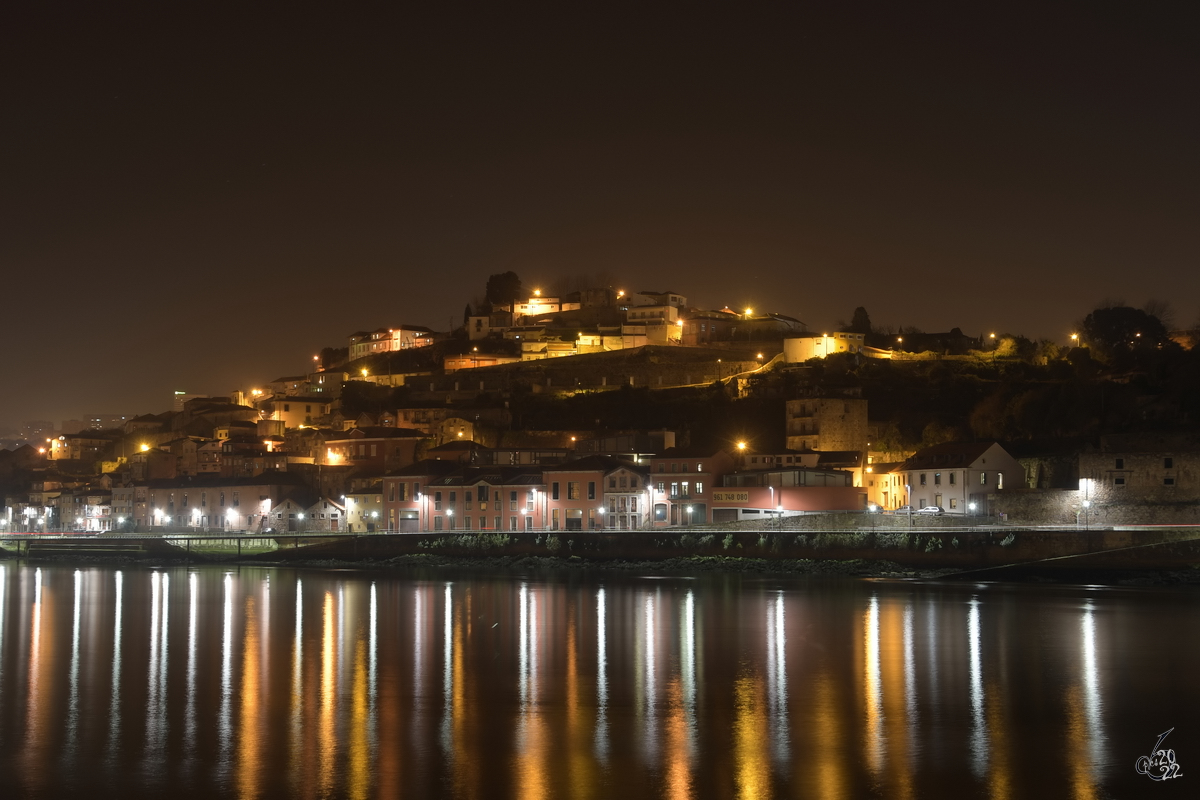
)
(1119, 335)
(334, 356)
(503, 288)
(860, 322)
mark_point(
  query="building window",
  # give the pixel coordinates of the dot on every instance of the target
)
(922, 478)
(952, 480)
(1118, 481)
(554, 490)
(512, 503)
(937, 479)
(572, 490)
(953, 502)
(403, 493)
(391, 492)
(699, 487)
(1168, 463)
(437, 502)
(1168, 481)
(633, 482)
(591, 490)
(983, 479)
(1120, 463)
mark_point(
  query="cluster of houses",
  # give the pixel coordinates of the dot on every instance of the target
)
(208, 469)
(287, 466)
(285, 458)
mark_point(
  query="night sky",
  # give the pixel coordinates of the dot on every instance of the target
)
(199, 196)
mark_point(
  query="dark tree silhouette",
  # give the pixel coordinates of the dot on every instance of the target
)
(503, 288)
(1120, 335)
(860, 322)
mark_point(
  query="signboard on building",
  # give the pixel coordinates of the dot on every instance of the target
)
(730, 497)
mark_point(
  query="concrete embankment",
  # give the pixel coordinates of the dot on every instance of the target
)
(927, 550)
(984, 551)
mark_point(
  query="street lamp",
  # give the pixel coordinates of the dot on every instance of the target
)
(1087, 504)
(689, 513)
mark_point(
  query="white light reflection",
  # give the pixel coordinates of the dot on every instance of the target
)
(264, 623)
(342, 662)
(114, 710)
(447, 670)
(979, 734)
(224, 715)
(1092, 706)
(874, 688)
(73, 702)
(372, 686)
(648, 681)
(527, 682)
(156, 700)
(3, 579)
(297, 726)
(601, 679)
(418, 649)
(189, 717)
(777, 697)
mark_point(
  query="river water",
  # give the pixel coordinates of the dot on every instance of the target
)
(249, 682)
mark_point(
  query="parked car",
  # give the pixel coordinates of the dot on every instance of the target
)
(900, 510)
(933, 511)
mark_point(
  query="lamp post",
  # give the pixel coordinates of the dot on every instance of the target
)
(689, 516)
(1087, 505)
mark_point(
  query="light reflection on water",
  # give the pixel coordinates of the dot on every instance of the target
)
(268, 682)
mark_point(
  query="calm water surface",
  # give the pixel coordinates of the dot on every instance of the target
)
(322, 683)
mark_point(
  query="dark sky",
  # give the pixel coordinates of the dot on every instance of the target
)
(199, 196)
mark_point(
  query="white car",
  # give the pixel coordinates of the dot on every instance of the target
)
(933, 511)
